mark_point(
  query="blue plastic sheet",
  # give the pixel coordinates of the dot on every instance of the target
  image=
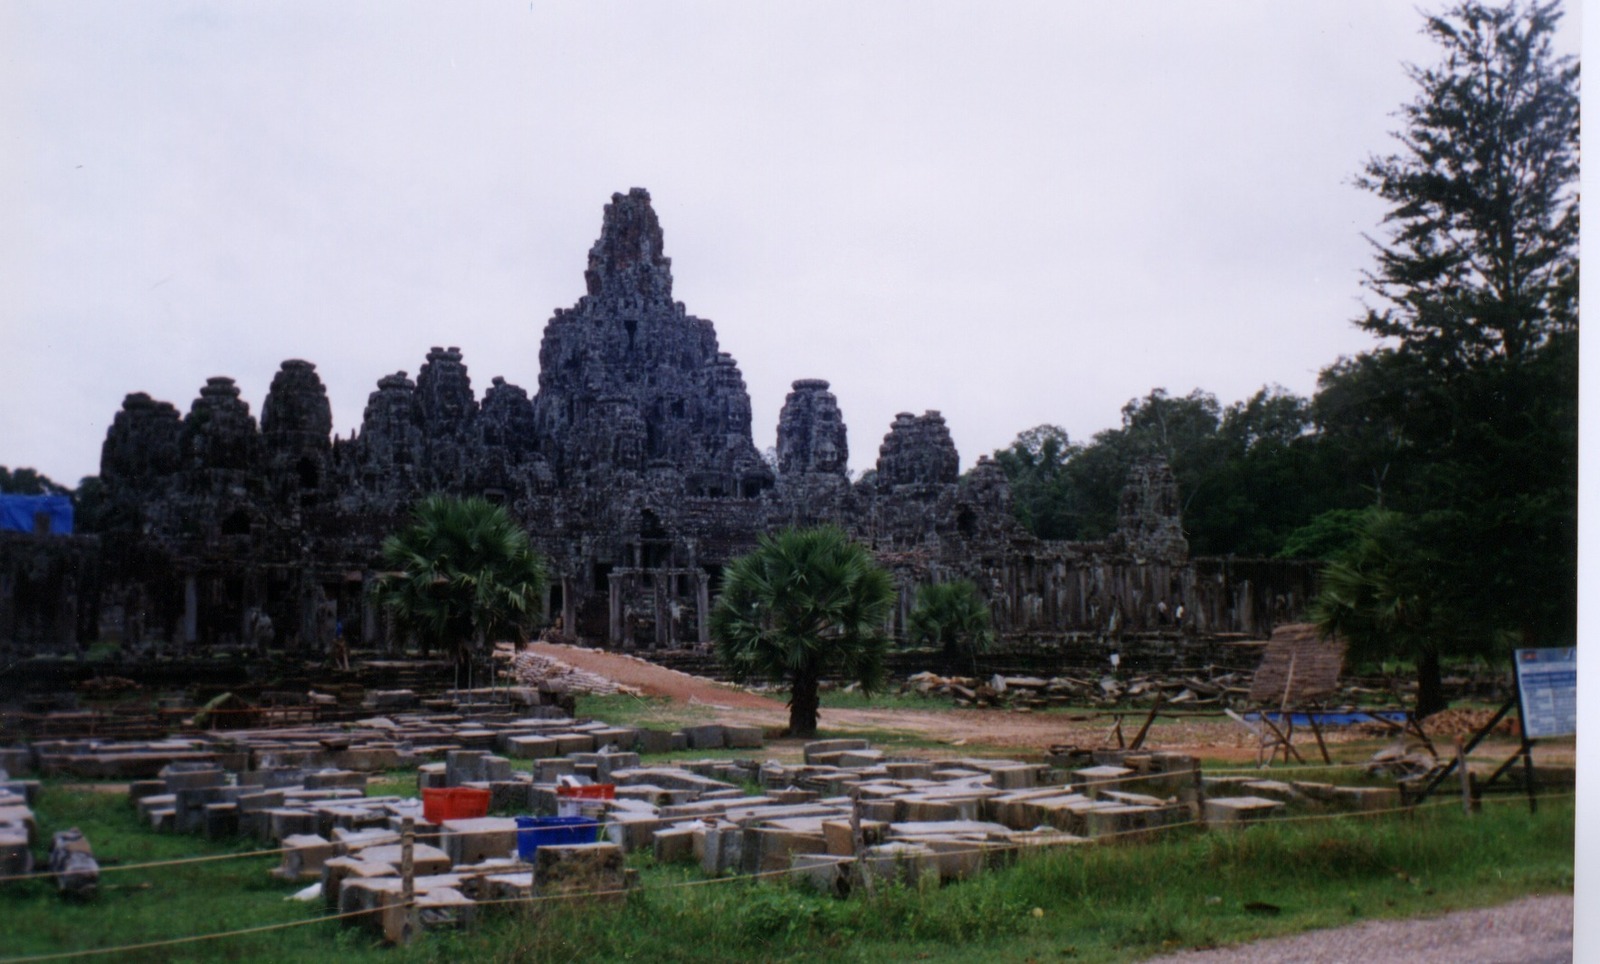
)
(1334, 719)
(19, 512)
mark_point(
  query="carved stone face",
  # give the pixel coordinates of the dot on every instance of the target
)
(825, 456)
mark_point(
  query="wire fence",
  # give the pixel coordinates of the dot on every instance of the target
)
(985, 849)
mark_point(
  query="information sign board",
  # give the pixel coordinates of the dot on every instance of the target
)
(1548, 682)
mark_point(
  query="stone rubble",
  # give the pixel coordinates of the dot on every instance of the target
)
(847, 815)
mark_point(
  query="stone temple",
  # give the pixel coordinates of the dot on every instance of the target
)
(633, 467)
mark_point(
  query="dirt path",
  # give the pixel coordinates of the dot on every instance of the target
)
(1534, 930)
(1006, 728)
(1215, 738)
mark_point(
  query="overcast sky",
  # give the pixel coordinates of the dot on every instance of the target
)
(1014, 213)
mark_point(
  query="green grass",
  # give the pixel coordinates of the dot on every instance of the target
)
(1095, 903)
(840, 699)
(651, 712)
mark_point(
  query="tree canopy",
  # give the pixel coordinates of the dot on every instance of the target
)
(954, 617)
(462, 574)
(806, 603)
(1437, 472)
(1480, 261)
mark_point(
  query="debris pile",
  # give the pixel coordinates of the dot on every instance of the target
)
(1210, 687)
(547, 673)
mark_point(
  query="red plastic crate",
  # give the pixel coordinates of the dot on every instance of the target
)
(453, 803)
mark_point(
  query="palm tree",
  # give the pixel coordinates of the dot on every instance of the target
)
(463, 573)
(954, 617)
(1380, 595)
(805, 603)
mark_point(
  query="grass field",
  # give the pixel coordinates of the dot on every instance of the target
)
(1089, 903)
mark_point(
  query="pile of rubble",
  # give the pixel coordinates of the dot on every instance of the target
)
(846, 815)
(1208, 688)
(547, 673)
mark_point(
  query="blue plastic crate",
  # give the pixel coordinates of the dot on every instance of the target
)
(536, 832)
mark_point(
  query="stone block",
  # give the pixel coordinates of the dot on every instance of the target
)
(220, 821)
(1234, 811)
(621, 739)
(711, 736)
(187, 779)
(960, 858)
(471, 841)
(827, 873)
(548, 771)
(139, 789)
(574, 743)
(260, 800)
(530, 747)
(767, 849)
(909, 770)
(593, 870)
(21, 816)
(896, 862)
(337, 870)
(633, 831)
(673, 844)
(838, 836)
(816, 747)
(857, 759)
(656, 741)
(743, 737)
(326, 779)
(511, 796)
(1016, 776)
(463, 766)
(426, 860)
(720, 848)
(285, 822)
(16, 853)
(303, 857)
(1099, 778)
(1366, 798)
(16, 759)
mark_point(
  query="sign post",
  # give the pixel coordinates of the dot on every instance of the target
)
(1547, 702)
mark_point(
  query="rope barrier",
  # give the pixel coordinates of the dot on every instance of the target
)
(532, 899)
(196, 938)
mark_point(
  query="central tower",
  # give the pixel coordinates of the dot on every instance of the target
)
(629, 381)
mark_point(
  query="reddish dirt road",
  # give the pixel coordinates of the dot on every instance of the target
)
(1005, 728)
(1215, 738)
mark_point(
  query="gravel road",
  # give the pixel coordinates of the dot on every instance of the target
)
(1534, 930)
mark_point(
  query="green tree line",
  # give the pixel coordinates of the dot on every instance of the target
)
(1436, 473)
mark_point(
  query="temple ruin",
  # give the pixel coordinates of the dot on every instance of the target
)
(633, 467)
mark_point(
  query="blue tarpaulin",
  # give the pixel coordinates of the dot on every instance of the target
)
(18, 513)
(1331, 718)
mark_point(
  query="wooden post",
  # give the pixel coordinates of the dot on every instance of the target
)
(1527, 771)
(1466, 777)
(1316, 731)
(408, 882)
(1138, 740)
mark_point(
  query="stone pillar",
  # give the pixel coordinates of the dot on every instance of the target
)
(703, 604)
(569, 609)
(191, 610)
(663, 612)
(614, 622)
(369, 612)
